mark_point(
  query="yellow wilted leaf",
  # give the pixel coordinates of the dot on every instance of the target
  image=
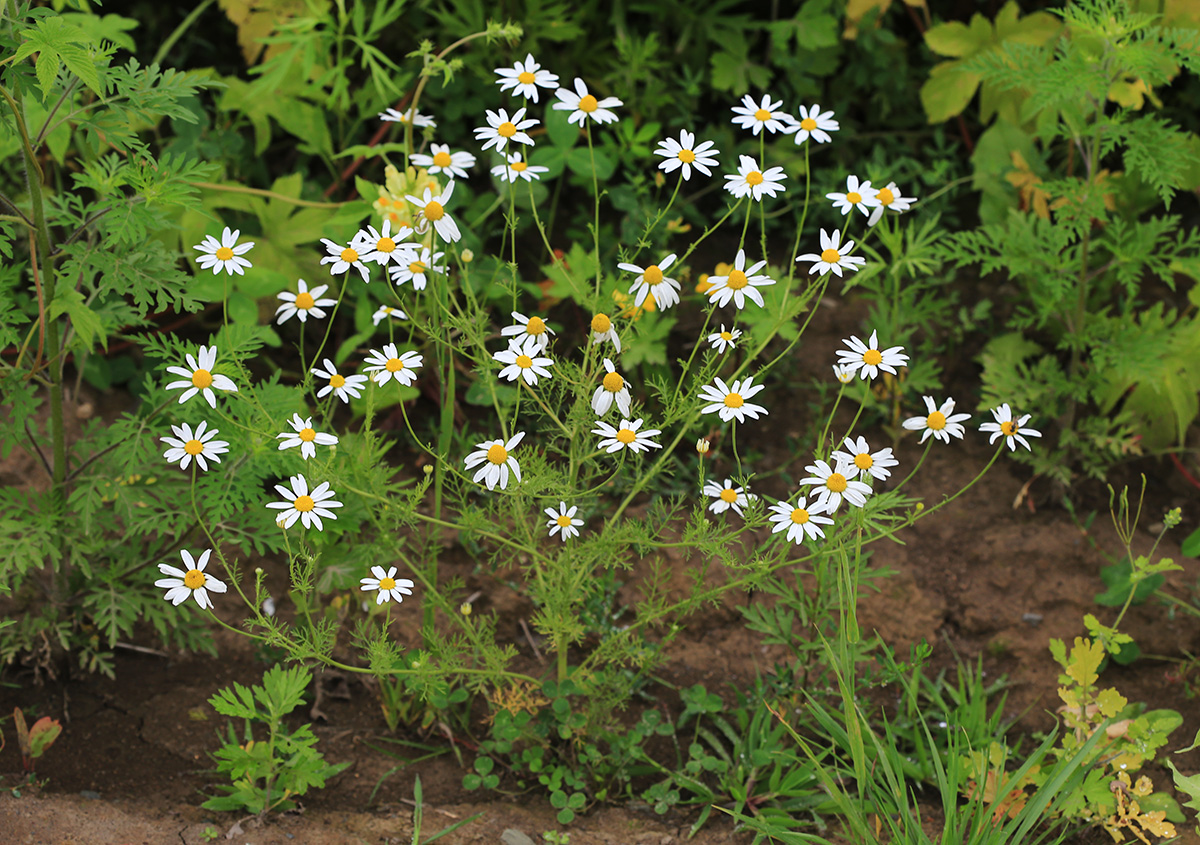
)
(1110, 702)
(258, 19)
(1084, 665)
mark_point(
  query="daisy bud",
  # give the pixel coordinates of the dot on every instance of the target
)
(465, 608)
(427, 469)
(466, 256)
(702, 446)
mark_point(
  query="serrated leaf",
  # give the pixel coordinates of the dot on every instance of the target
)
(85, 321)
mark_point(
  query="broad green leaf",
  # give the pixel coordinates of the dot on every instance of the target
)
(948, 91)
(1118, 577)
(563, 135)
(955, 39)
(85, 321)
(1191, 546)
(579, 160)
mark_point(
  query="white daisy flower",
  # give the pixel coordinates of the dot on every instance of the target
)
(225, 254)
(393, 116)
(613, 388)
(381, 247)
(500, 129)
(414, 267)
(815, 124)
(389, 364)
(727, 495)
(523, 362)
(843, 374)
(433, 210)
(740, 284)
(799, 520)
(626, 436)
(516, 167)
(496, 460)
(889, 197)
(832, 485)
(833, 257)
(764, 115)
(303, 304)
(199, 377)
(387, 585)
(652, 280)
(868, 359)
(534, 327)
(305, 436)
(583, 105)
(299, 503)
(182, 584)
(686, 153)
(603, 329)
(523, 78)
(723, 340)
(1008, 427)
(199, 445)
(729, 401)
(858, 195)
(858, 455)
(385, 311)
(343, 258)
(753, 182)
(444, 161)
(343, 387)
(941, 422)
(563, 520)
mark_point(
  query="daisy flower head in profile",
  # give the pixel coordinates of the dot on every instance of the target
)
(726, 496)
(522, 361)
(868, 359)
(843, 374)
(563, 521)
(343, 258)
(724, 340)
(194, 581)
(685, 154)
(444, 161)
(652, 279)
(752, 181)
(187, 445)
(501, 129)
(305, 436)
(740, 284)
(583, 105)
(613, 389)
(432, 209)
(415, 265)
(940, 422)
(496, 460)
(198, 377)
(303, 304)
(516, 167)
(729, 401)
(889, 198)
(385, 311)
(1010, 428)
(225, 254)
(858, 456)
(603, 329)
(762, 115)
(626, 436)
(390, 364)
(343, 387)
(832, 484)
(381, 247)
(302, 504)
(418, 119)
(524, 78)
(532, 327)
(387, 586)
(799, 520)
(858, 195)
(834, 255)
(815, 124)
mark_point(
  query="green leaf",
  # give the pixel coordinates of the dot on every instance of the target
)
(85, 321)
(955, 39)
(563, 134)
(579, 160)
(57, 43)
(948, 91)
(1120, 580)
(1191, 546)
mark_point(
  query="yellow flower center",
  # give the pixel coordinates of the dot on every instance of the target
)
(524, 362)
(873, 357)
(336, 380)
(387, 583)
(525, 77)
(304, 503)
(653, 275)
(1009, 427)
(854, 197)
(416, 268)
(588, 104)
(536, 325)
(305, 301)
(830, 256)
(613, 382)
(799, 516)
(193, 447)
(626, 435)
(728, 495)
(497, 454)
(734, 400)
(737, 280)
(936, 421)
(385, 245)
(563, 521)
(519, 166)
(601, 323)
(506, 129)
(754, 178)
(863, 460)
(224, 253)
(194, 579)
(808, 124)
(686, 156)
(308, 435)
(762, 115)
(727, 336)
(394, 365)
(885, 196)
(349, 255)
(836, 482)
(442, 158)
(434, 210)
(202, 379)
